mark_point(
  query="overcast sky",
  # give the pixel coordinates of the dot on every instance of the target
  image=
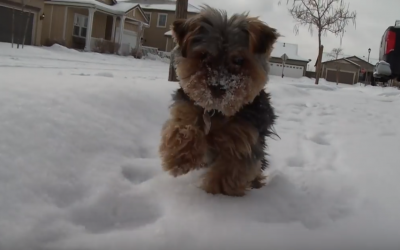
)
(373, 17)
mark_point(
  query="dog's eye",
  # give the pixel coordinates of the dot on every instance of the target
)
(238, 60)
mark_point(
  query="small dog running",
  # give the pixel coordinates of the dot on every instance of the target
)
(221, 115)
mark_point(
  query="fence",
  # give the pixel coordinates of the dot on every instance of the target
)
(154, 51)
(105, 46)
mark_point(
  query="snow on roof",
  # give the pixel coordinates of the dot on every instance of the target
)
(166, 6)
(289, 49)
(118, 8)
(327, 57)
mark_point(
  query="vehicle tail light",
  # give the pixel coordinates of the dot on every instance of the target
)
(390, 41)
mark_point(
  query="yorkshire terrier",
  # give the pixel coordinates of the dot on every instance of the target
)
(221, 114)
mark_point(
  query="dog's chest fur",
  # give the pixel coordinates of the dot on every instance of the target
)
(258, 115)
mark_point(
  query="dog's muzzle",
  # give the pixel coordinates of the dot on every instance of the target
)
(217, 90)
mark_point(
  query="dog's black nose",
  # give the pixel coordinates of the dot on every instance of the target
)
(217, 90)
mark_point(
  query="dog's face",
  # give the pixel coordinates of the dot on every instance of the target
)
(222, 63)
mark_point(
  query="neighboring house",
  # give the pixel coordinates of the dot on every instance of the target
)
(84, 24)
(295, 66)
(347, 69)
(161, 15)
(33, 13)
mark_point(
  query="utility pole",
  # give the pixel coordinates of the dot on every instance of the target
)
(180, 13)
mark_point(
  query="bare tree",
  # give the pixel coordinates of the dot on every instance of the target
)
(335, 53)
(326, 16)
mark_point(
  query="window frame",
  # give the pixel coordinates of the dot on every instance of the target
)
(149, 17)
(80, 25)
(158, 20)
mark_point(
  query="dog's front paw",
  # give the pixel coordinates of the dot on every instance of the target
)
(182, 149)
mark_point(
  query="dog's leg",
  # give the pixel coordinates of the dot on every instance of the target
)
(183, 144)
(229, 176)
(259, 180)
(237, 165)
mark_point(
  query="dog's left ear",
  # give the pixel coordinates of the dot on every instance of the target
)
(262, 37)
(179, 30)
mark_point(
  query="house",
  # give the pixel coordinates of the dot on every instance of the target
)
(31, 19)
(85, 24)
(347, 69)
(295, 66)
(161, 15)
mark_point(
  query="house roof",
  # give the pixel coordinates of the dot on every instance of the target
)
(290, 49)
(160, 5)
(118, 8)
(344, 59)
(327, 57)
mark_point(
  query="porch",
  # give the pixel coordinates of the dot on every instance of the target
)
(92, 29)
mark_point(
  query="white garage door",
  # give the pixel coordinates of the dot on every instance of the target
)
(289, 70)
(128, 37)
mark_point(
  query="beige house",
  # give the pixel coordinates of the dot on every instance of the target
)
(347, 69)
(341, 70)
(32, 18)
(84, 24)
(161, 15)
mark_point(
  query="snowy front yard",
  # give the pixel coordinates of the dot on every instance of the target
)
(79, 167)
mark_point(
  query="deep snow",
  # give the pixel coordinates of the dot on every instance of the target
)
(79, 168)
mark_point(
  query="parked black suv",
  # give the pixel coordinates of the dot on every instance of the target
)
(389, 52)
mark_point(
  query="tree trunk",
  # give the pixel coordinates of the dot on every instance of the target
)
(337, 75)
(26, 28)
(12, 29)
(180, 13)
(318, 73)
(319, 59)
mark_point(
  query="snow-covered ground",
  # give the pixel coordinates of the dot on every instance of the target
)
(79, 168)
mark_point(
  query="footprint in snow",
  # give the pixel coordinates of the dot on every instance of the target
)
(105, 74)
(320, 138)
(140, 171)
(81, 74)
(116, 211)
(295, 161)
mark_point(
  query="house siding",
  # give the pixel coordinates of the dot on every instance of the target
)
(362, 63)
(153, 35)
(53, 26)
(99, 25)
(139, 16)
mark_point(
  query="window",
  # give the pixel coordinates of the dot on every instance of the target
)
(162, 20)
(80, 25)
(148, 16)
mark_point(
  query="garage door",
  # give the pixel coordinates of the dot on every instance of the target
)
(289, 70)
(129, 37)
(6, 17)
(344, 77)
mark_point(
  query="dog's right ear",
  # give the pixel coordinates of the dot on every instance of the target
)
(179, 30)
